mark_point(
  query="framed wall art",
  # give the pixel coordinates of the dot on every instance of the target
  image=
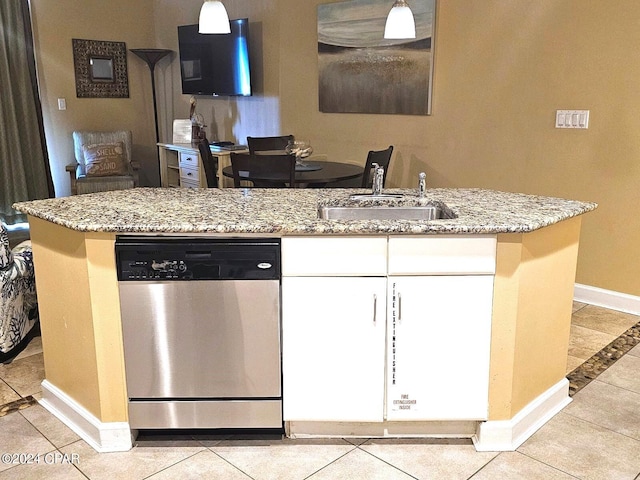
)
(359, 71)
(100, 69)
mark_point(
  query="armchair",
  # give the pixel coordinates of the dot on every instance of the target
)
(18, 300)
(103, 162)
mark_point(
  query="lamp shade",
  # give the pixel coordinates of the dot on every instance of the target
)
(213, 18)
(400, 23)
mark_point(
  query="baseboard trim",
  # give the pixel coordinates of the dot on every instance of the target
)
(103, 437)
(508, 435)
(431, 429)
(600, 297)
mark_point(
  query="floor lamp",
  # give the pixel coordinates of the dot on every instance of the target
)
(152, 56)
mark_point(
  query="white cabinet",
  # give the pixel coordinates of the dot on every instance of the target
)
(439, 327)
(333, 328)
(333, 348)
(439, 332)
(378, 328)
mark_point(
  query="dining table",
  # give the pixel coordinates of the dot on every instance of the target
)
(316, 174)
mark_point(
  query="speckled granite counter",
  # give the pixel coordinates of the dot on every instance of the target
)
(530, 304)
(293, 211)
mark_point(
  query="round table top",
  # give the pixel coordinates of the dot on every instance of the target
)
(329, 172)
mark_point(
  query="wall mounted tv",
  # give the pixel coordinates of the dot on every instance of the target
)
(215, 64)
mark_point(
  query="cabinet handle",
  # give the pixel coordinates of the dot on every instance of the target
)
(399, 307)
(375, 307)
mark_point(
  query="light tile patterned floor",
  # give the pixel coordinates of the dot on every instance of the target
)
(597, 436)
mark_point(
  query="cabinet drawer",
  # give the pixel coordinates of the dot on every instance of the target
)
(341, 256)
(186, 183)
(442, 255)
(188, 160)
(189, 175)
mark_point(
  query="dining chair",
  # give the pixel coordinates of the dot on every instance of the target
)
(208, 162)
(265, 171)
(261, 144)
(382, 158)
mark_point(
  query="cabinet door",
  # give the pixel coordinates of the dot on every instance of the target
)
(333, 348)
(438, 347)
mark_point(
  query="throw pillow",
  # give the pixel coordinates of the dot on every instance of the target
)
(104, 159)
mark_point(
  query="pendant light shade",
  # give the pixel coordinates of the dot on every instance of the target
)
(213, 18)
(400, 23)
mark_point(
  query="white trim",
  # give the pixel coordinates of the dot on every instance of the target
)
(429, 429)
(103, 437)
(607, 298)
(508, 435)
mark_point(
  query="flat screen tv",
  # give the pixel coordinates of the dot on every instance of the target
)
(215, 64)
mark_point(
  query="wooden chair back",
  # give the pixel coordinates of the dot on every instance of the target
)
(382, 158)
(210, 165)
(261, 144)
(267, 171)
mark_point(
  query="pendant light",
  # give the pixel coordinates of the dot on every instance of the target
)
(213, 18)
(400, 23)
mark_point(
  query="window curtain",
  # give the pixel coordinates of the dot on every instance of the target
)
(24, 164)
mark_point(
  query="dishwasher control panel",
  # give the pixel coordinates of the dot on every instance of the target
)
(197, 258)
(153, 269)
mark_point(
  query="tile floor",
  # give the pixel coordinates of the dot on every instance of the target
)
(597, 436)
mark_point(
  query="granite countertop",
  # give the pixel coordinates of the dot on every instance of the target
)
(293, 211)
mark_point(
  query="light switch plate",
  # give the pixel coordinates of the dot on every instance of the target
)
(62, 104)
(572, 118)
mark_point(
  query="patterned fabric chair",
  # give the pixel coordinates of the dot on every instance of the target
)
(18, 300)
(103, 162)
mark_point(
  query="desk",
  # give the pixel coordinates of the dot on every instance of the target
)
(181, 165)
(330, 172)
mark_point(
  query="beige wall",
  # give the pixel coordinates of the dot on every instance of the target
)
(227, 118)
(55, 23)
(502, 68)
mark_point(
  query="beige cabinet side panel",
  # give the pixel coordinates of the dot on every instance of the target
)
(80, 317)
(533, 294)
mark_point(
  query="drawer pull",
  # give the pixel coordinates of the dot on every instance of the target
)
(375, 308)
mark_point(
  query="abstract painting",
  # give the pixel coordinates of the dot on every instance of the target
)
(359, 71)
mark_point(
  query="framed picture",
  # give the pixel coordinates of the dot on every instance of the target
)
(100, 68)
(359, 71)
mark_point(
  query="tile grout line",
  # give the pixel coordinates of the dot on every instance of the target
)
(227, 461)
(355, 447)
(384, 461)
(545, 463)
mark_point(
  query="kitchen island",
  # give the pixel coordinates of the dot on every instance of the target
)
(526, 246)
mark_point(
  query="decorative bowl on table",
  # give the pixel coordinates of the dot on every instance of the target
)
(300, 148)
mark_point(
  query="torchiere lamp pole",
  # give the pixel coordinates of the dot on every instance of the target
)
(152, 56)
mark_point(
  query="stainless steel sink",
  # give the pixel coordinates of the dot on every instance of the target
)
(376, 196)
(423, 212)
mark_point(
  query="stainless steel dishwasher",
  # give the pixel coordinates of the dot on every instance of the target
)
(201, 331)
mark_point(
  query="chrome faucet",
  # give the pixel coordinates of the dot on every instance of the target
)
(378, 179)
(422, 184)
